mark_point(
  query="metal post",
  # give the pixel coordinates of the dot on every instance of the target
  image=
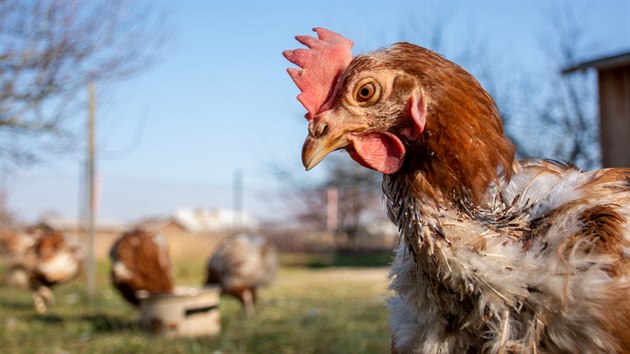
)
(91, 266)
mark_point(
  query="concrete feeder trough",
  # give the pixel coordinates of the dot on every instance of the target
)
(186, 312)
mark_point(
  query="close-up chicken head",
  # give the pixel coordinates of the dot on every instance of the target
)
(357, 104)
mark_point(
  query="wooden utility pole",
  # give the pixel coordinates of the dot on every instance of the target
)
(91, 205)
(332, 208)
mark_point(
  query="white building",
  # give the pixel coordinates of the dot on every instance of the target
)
(216, 220)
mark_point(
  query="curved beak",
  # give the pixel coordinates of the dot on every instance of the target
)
(316, 149)
(327, 132)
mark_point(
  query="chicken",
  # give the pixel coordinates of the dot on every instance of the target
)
(496, 255)
(13, 244)
(42, 258)
(16, 248)
(141, 265)
(59, 259)
(240, 266)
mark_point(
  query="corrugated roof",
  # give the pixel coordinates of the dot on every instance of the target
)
(606, 62)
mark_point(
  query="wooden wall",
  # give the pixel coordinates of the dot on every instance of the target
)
(614, 108)
(182, 246)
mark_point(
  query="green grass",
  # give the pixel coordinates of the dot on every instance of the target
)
(308, 310)
(380, 259)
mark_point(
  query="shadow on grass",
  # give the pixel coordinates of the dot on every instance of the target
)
(102, 323)
(46, 319)
(377, 259)
(16, 304)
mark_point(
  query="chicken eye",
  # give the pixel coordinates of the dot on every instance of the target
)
(367, 92)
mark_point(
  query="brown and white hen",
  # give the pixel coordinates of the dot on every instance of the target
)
(141, 265)
(497, 255)
(41, 258)
(240, 266)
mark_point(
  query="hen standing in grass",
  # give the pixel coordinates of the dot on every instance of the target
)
(16, 249)
(41, 258)
(497, 255)
(141, 265)
(240, 266)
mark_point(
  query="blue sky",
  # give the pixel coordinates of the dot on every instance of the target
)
(219, 98)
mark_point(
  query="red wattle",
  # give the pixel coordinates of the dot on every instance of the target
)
(383, 152)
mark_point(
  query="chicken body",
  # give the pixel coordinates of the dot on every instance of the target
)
(496, 255)
(240, 266)
(17, 249)
(141, 265)
(41, 258)
(59, 259)
(539, 267)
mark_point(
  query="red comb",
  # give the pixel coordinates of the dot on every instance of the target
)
(321, 65)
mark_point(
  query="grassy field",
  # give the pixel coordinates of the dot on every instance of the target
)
(322, 309)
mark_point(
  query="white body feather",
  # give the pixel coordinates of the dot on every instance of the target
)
(452, 295)
(59, 268)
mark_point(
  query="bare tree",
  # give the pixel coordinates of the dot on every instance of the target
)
(7, 218)
(359, 201)
(359, 194)
(571, 105)
(49, 51)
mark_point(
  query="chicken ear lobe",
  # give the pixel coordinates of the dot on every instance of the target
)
(416, 109)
